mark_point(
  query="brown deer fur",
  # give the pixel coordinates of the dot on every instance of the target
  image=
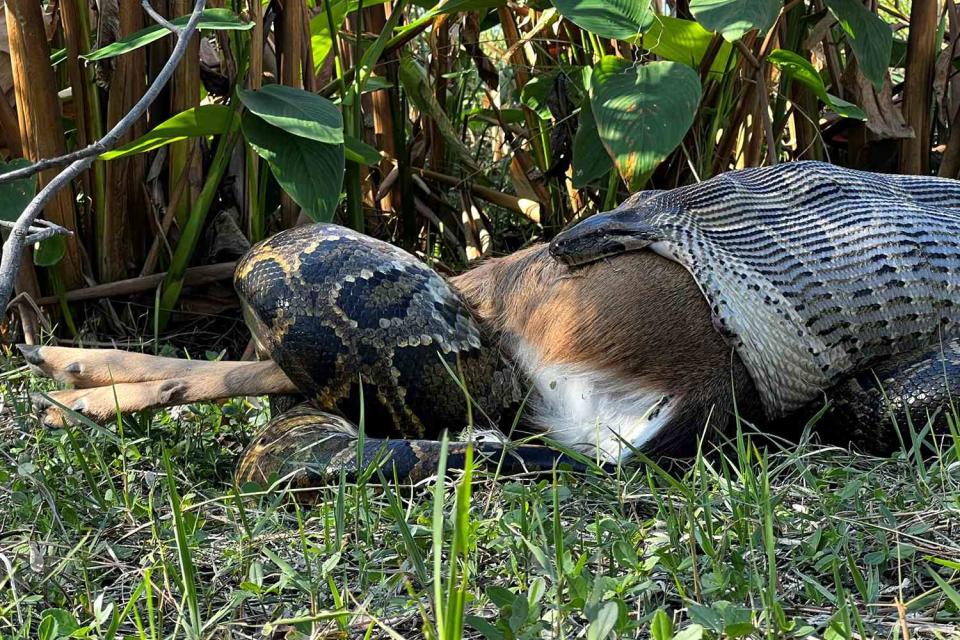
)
(638, 316)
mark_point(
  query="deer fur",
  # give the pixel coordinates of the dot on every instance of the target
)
(629, 338)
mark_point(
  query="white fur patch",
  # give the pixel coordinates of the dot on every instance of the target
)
(591, 411)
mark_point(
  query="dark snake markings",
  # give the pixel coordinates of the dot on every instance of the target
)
(846, 278)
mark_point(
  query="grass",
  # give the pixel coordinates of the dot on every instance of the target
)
(135, 530)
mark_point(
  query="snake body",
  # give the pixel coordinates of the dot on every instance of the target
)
(823, 280)
(366, 330)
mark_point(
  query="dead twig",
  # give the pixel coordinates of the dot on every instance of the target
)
(21, 231)
(193, 277)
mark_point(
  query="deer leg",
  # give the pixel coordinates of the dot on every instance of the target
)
(167, 382)
(86, 368)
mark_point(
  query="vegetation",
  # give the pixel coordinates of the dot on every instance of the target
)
(137, 532)
(458, 129)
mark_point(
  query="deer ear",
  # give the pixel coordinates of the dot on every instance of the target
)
(604, 235)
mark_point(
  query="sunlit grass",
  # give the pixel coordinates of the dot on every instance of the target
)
(99, 537)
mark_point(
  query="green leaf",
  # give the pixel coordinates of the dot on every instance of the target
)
(16, 195)
(800, 69)
(212, 20)
(486, 629)
(205, 120)
(693, 632)
(49, 252)
(320, 41)
(739, 629)
(946, 587)
(683, 41)
(661, 627)
(870, 37)
(535, 93)
(311, 172)
(66, 623)
(500, 596)
(57, 56)
(733, 18)
(590, 157)
(297, 112)
(943, 562)
(618, 19)
(360, 152)
(606, 619)
(642, 112)
(48, 629)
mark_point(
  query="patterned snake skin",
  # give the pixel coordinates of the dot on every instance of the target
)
(814, 272)
(333, 307)
(827, 281)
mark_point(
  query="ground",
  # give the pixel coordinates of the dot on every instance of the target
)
(135, 530)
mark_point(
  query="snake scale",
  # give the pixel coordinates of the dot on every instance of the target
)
(825, 281)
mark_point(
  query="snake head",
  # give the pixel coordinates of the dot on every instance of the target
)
(601, 236)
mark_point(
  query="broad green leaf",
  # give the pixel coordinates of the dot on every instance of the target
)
(693, 632)
(590, 158)
(212, 20)
(800, 69)
(870, 37)
(311, 172)
(535, 93)
(205, 120)
(683, 41)
(486, 629)
(500, 596)
(642, 111)
(320, 40)
(16, 195)
(739, 629)
(66, 623)
(297, 112)
(618, 19)
(733, 18)
(604, 623)
(661, 627)
(49, 252)
(360, 152)
(48, 629)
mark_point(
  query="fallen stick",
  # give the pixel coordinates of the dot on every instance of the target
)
(195, 276)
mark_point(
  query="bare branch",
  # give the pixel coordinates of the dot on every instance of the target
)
(20, 234)
(159, 19)
(101, 146)
(44, 230)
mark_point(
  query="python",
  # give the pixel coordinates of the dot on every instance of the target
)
(758, 295)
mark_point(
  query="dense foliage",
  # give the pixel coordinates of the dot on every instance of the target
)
(458, 129)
